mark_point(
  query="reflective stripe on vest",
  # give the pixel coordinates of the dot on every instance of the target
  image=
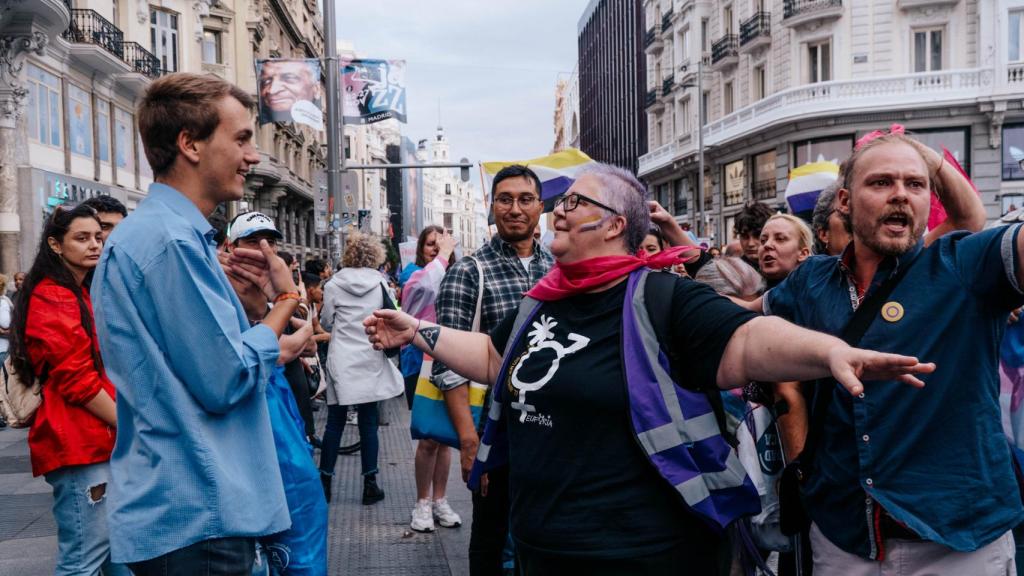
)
(676, 426)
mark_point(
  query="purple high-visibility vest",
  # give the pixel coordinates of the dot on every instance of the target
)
(676, 427)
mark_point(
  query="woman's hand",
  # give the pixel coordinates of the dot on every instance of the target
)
(446, 246)
(390, 329)
(670, 229)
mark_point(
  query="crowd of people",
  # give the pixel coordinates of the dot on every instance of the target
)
(179, 356)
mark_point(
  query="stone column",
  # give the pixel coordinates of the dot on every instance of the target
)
(14, 47)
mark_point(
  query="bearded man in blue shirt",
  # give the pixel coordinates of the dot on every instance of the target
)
(911, 481)
(194, 471)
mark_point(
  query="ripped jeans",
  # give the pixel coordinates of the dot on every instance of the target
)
(79, 507)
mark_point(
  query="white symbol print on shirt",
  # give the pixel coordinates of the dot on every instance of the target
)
(542, 336)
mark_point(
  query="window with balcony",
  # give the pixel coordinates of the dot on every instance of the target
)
(124, 155)
(659, 134)
(928, 53)
(728, 105)
(79, 121)
(727, 19)
(44, 107)
(684, 45)
(1013, 152)
(705, 39)
(448, 189)
(212, 53)
(819, 61)
(758, 83)
(1015, 38)
(821, 150)
(103, 130)
(683, 191)
(447, 221)
(734, 176)
(684, 117)
(163, 38)
(763, 187)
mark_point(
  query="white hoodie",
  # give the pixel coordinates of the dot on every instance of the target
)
(357, 374)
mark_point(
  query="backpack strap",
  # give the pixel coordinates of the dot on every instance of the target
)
(658, 293)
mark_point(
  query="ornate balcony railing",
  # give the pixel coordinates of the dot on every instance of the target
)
(791, 8)
(88, 27)
(828, 99)
(724, 47)
(650, 98)
(764, 190)
(649, 37)
(141, 60)
(757, 26)
(667, 84)
(666, 21)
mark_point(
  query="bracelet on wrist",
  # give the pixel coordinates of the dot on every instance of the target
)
(287, 296)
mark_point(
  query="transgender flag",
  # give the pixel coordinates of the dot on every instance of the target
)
(556, 172)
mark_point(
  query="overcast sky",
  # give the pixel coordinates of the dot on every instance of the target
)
(492, 64)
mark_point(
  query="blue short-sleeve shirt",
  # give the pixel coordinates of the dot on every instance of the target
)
(934, 458)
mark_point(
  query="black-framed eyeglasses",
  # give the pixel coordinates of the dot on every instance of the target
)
(571, 201)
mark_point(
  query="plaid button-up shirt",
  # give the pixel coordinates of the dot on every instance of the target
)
(505, 282)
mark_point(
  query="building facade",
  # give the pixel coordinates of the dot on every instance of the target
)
(787, 82)
(567, 112)
(447, 200)
(611, 82)
(74, 73)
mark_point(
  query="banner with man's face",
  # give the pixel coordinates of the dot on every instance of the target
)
(290, 91)
(373, 90)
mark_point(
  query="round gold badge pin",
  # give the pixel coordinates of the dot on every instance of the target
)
(892, 311)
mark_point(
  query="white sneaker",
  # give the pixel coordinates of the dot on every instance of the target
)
(446, 517)
(422, 518)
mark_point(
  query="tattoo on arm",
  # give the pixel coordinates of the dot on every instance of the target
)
(430, 335)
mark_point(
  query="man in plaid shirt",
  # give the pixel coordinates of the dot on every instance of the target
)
(512, 263)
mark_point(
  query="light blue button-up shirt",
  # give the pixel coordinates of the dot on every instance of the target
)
(194, 457)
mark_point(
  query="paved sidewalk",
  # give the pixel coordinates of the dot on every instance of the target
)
(365, 540)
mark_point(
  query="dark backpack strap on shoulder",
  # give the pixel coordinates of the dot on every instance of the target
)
(658, 293)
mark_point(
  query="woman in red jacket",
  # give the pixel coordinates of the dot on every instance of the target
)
(53, 339)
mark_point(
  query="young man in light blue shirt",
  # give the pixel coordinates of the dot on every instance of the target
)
(194, 470)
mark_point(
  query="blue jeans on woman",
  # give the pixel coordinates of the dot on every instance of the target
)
(80, 510)
(369, 445)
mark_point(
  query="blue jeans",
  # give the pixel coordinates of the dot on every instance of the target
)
(80, 510)
(369, 445)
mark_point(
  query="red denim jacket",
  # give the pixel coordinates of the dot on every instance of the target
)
(64, 432)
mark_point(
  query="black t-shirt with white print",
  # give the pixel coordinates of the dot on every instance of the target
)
(580, 482)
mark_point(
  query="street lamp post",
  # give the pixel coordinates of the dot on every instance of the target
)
(700, 143)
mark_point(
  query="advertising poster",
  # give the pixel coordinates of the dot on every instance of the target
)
(289, 91)
(373, 90)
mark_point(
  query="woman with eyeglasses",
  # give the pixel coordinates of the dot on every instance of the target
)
(53, 340)
(616, 461)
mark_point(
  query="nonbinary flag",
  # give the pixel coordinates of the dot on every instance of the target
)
(806, 183)
(556, 172)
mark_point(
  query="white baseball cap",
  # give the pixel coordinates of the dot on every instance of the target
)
(245, 225)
